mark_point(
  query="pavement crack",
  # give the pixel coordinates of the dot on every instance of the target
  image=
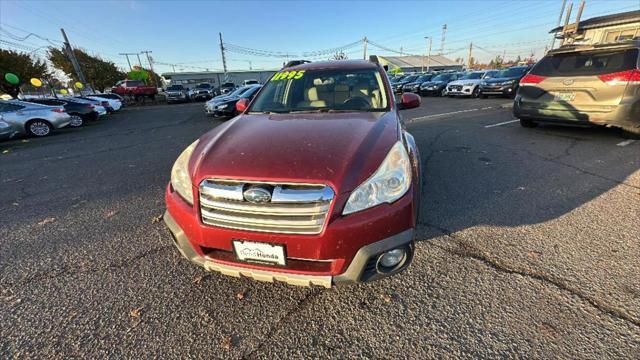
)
(303, 303)
(75, 270)
(469, 251)
(556, 160)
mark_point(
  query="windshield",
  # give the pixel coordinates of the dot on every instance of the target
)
(442, 77)
(423, 78)
(513, 72)
(250, 92)
(472, 76)
(323, 90)
(490, 74)
(586, 63)
(203, 86)
(175, 87)
(239, 91)
(410, 78)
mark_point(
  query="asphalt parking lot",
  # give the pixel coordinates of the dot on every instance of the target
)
(529, 247)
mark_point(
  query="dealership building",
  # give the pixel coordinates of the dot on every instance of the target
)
(215, 78)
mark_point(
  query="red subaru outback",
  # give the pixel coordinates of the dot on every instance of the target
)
(316, 182)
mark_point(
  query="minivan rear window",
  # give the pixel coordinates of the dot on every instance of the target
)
(586, 63)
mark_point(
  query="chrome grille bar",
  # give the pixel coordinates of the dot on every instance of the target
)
(294, 208)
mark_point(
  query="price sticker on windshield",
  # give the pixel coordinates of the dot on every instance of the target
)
(288, 75)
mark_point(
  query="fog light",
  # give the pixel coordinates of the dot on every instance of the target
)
(392, 258)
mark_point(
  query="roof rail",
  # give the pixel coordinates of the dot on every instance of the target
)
(295, 63)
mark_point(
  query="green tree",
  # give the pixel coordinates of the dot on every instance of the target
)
(100, 73)
(24, 66)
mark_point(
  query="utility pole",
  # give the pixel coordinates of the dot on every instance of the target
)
(147, 52)
(365, 40)
(174, 68)
(401, 54)
(444, 32)
(470, 52)
(72, 57)
(224, 61)
(139, 62)
(553, 37)
(127, 56)
(429, 52)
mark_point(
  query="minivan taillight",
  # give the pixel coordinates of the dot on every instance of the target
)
(531, 79)
(631, 77)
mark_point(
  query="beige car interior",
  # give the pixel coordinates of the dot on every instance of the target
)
(328, 94)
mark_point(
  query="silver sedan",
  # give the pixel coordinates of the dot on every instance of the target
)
(33, 119)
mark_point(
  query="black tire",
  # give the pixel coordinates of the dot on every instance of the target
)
(475, 93)
(76, 120)
(630, 133)
(443, 92)
(528, 123)
(38, 128)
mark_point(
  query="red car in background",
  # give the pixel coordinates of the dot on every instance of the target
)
(316, 182)
(134, 88)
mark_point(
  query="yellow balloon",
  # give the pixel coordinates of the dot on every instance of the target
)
(64, 92)
(36, 82)
(79, 85)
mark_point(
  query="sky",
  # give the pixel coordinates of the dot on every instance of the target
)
(185, 33)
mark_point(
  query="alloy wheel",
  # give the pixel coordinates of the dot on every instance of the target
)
(39, 128)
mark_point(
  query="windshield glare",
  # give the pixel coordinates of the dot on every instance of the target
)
(323, 90)
(513, 72)
(472, 76)
(175, 87)
(441, 77)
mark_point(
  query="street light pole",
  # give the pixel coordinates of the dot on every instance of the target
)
(428, 56)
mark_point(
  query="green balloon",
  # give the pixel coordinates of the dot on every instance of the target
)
(11, 78)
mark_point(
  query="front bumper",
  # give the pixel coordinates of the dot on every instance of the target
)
(503, 90)
(353, 274)
(435, 90)
(458, 90)
(342, 253)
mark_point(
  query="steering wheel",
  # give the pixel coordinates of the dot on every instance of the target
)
(357, 103)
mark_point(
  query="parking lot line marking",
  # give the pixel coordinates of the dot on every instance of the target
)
(502, 123)
(626, 142)
(441, 115)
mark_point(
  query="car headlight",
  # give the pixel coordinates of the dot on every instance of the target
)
(389, 183)
(468, 84)
(507, 82)
(222, 107)
(180, 179)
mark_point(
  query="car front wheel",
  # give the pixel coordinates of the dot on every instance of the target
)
(476, 92)
(76, 121)
(527, 123)
(38, 128)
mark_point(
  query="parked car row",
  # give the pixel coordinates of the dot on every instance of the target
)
(39, 117)
(474, 84)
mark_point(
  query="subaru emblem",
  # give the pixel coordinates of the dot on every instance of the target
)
(257, 195)
(568, 82)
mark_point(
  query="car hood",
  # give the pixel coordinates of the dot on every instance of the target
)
(339, 149)
(433, 83)
(222, 99)
(469, 81)
(497, 80)
(414, 83)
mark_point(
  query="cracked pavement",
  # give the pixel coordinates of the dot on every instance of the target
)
(528, 246)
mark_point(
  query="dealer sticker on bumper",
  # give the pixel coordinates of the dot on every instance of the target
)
(262, 252)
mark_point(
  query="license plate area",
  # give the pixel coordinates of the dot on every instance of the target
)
(258, 252)
(564, 96)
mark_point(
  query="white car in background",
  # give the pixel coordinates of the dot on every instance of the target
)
(469, 84)
(114, 103)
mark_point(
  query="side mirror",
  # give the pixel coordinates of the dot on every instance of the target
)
(409, 101)
(242, 105)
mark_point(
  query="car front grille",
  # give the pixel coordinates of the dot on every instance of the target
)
(455, 88)
(293, 208)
